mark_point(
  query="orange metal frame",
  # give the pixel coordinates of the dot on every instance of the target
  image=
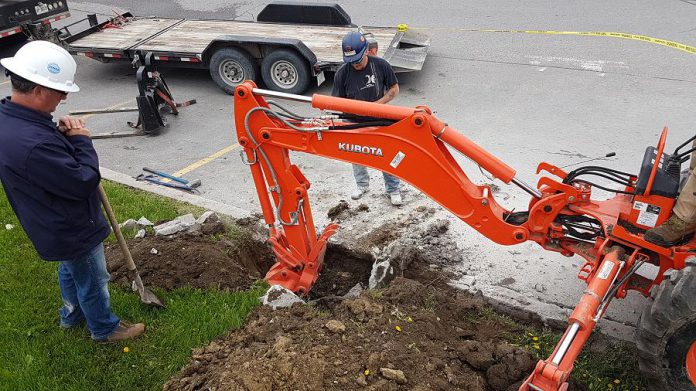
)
(415, 149)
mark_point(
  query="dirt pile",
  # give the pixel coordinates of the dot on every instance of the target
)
(409, 336)
(199, 262)
(417, 334)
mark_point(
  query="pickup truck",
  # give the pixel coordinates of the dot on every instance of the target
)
(20, 19)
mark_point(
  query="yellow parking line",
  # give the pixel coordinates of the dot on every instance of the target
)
(205, 160)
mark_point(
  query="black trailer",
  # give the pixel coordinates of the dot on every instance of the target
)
(21, 18)
(288, 47)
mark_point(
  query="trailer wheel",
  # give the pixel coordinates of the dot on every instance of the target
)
(284, 70)
(666, 333)
(229, 67)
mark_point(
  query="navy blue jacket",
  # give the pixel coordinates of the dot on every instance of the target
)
(51, 182)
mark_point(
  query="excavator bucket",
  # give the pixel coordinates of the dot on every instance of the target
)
(291, 271)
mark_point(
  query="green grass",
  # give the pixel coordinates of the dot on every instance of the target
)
(614, 369)
(36, 354)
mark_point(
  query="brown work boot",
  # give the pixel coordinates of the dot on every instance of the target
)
(672, 232)
(124, 331)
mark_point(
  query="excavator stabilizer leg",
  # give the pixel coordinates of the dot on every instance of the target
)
(552, 374)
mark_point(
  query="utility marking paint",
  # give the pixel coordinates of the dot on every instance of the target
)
(635, 37)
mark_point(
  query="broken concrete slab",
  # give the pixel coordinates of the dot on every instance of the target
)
(180, 224)
(354, 291)
(205, 216)
(380, 276)
(280, 297)
(128, 224)
(144, 222)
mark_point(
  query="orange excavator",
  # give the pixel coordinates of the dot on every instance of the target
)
(414, 145)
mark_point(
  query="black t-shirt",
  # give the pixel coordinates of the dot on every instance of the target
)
(369, 84)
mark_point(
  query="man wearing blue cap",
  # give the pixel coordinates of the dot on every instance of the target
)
(370, 79)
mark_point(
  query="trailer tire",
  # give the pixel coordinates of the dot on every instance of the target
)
(229, 67)
(285, 70)
(666, 333)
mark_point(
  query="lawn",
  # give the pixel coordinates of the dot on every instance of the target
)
(36, 354)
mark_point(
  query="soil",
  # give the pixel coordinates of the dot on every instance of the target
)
(198, 262)
(418, 333)
(408, 336)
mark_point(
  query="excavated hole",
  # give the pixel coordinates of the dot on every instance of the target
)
(343, 269)
(199, 262)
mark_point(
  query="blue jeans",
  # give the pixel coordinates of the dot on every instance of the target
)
(84, 287)
(362, 178)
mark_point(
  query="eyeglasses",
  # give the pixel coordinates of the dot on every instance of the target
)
(58, 91)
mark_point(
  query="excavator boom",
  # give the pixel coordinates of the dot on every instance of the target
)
(414, 145)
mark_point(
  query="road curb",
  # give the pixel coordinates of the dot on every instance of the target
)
(215, 206)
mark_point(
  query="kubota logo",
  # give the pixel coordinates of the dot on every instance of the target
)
(360, 149)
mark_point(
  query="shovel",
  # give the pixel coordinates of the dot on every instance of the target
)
(146, 295)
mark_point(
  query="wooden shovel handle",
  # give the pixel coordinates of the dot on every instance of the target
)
(117, 230)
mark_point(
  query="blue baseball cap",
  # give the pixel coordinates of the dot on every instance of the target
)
(354, 46)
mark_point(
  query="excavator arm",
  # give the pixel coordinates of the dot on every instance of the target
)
(413, 148)
(414, 145)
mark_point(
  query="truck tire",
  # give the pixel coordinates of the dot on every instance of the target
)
(229, 67)
(286, 71)
(666, 333)
(14, 39)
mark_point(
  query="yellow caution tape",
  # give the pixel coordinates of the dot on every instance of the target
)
(635, 37)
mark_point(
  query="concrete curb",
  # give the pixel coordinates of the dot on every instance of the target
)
(174, 194)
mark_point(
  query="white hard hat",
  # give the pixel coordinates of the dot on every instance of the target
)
(45, 64)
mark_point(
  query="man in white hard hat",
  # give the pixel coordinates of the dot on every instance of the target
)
(50, 173)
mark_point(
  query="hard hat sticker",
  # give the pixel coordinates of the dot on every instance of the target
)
(53, 68)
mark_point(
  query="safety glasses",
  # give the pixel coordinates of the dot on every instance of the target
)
(57, 91)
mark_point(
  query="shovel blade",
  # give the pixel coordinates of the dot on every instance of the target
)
(149, 298)
(146, 295)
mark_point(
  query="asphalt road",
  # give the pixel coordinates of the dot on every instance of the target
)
(524, 97)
